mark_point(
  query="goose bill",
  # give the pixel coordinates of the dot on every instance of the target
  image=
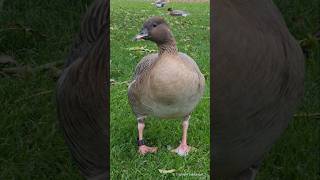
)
(142, 35)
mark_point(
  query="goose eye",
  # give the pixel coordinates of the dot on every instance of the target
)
(154, 25)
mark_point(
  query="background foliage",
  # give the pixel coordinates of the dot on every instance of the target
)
(37, 32)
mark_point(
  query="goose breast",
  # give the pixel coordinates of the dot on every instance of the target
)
(175, 86)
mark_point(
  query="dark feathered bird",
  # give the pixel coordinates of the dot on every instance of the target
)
(258, 74)
(82, 94)
(177, 12)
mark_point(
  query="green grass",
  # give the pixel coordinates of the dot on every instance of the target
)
(31, 144)
(127, 19)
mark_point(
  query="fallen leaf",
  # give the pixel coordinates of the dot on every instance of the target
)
(164, 171)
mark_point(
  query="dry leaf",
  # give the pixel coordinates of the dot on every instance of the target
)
(164, 171)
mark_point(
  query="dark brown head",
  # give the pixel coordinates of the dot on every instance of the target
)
(155, 29)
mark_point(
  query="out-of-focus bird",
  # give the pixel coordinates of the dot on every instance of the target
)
(82, 94)
(160, 3)
(177, 12)
(258, 80)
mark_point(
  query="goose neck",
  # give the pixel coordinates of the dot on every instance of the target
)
(168, 48)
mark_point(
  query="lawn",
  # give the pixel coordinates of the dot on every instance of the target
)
(192, 36)
(36, 32)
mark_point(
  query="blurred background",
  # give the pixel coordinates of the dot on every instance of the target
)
(35, 37)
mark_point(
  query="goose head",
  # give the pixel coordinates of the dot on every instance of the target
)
(155, 29)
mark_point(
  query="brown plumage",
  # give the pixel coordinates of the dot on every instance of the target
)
(258, 73)
(82, 94)
(177, 12)
(168, 84)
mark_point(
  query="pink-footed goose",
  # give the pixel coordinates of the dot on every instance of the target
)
(177, 12)
(82, 90)
(258, 74)
(167, 84)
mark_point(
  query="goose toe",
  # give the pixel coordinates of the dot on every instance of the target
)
(143, 150)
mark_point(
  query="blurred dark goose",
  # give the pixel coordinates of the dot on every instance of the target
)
(258, 80)
(167, 84)
(81, 95)
(177, 12)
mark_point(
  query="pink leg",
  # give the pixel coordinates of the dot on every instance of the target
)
(183, 148)
(143, 149)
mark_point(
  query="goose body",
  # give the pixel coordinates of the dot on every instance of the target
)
(177, 12)
(160, 3)
(167, 84)
(81, 101)
(166, 87)
(258, 76)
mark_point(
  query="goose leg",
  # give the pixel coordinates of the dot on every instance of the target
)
(183, 148)
(143, 149)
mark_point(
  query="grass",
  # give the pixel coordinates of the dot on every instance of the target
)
(31, 144)
(126, 163)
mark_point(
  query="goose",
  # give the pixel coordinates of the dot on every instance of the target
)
(167, 84)
(160, 3)
(258, 80)
(81, 95)
(177, 12)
